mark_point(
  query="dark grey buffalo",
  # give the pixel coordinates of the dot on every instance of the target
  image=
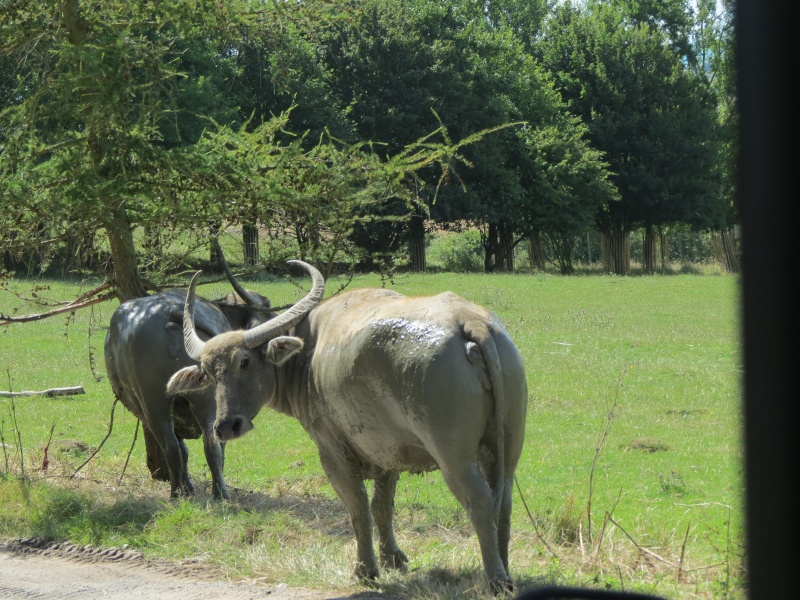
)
(144, 347)
(383, 384)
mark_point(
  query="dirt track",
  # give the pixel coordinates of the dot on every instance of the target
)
(31, 569)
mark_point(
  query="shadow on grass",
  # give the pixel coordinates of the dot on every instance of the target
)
(449, 584)
(326, 515)
(93, 512)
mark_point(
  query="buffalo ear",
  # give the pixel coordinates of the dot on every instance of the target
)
(282, 348)
(188, 379)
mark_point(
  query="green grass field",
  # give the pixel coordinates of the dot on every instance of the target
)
(631, 474)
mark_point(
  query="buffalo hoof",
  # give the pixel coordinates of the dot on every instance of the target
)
(222, 493)
(503, 587)
(366, 574)
(395, 560)
(183, 491)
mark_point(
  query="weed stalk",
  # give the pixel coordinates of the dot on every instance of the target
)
(3, 443)
(530, 517)
(18, 433)
(45, 458)
(133, 443)
(105, 439)
(15, 426)
(98, 377)
(599, 448)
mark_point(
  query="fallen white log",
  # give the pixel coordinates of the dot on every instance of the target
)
(65, 391)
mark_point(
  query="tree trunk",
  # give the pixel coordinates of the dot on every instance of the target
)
(725, 250)
(731, 246)
(664, 247)
(416, 244)
(616, 248)
(535, 251)
(250, 241)
(505, 249)
(490, 243)
(563, 245)
(156, 460)
(649, 250)
(123, 257)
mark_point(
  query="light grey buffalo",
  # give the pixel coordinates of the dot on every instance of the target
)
(383, 383)
(144, 347)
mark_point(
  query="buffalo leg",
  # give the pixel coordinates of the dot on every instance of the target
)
(474, 494)
(504, 522)
(157, 413)
(204, 412)
(351, 491)
(186, 482)
(215, 457)
(489, 469)
(156, 461)
(176, 453)
(383, 513)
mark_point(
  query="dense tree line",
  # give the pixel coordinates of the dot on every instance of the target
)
(131, 132)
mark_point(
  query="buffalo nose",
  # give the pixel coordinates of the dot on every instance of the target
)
(231, 428)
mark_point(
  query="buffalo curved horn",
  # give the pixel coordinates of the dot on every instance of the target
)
(191, 341)
(243, 294)
(292, 316)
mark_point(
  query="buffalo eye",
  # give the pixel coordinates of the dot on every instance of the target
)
(245, 360)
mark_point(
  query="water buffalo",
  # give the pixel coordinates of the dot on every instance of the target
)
(383, 384)
(144, 347)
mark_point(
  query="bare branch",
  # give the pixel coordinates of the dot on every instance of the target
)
(65, 391)
(641, 548)
(133, 443)
(93, 292)
(35, 295)
(530, 517)
(71, 307)
(105, 439)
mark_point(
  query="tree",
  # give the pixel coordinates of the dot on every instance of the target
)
(403, 66)
(672, 17)
(570, 185)
(122, 122)
(86, 135)
(713, 41)
(399, 71)
(95, 132)
(130, 119)
(653, 119)
(523, 17)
